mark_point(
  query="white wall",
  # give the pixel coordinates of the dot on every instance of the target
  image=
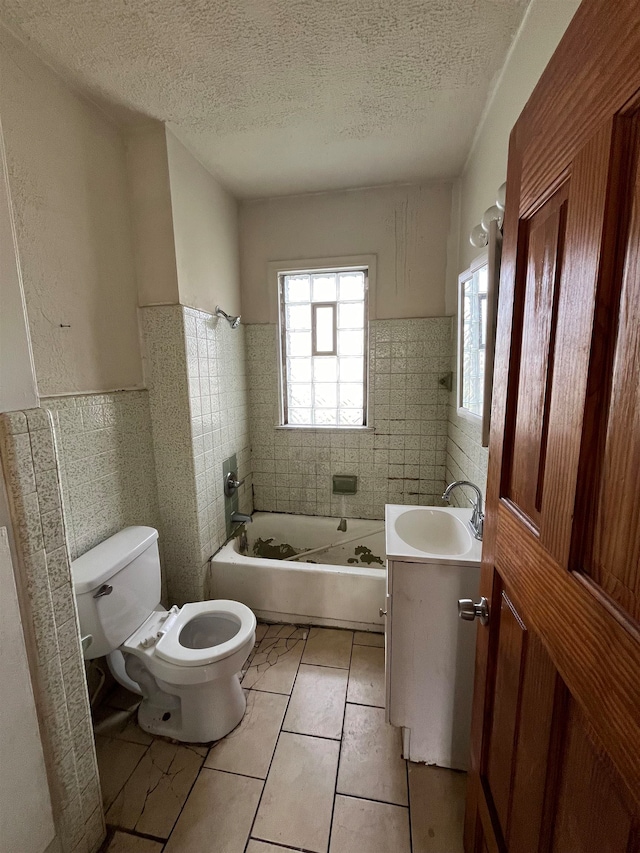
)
(405, 226)
(486, 167)
(68, 181)
(475, 191)
(205, 229)
(151, 215)
(17, 377)
(26, 822)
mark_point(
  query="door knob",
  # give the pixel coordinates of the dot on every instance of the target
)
(469, 611)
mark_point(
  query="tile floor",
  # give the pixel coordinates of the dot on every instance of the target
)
(312, 767)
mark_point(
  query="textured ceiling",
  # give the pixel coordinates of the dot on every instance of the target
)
(285, 96)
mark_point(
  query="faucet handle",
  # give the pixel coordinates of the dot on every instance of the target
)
(231, 483)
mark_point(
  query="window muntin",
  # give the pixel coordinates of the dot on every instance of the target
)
(323, 347)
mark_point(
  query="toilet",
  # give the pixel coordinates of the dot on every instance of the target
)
(184, 662)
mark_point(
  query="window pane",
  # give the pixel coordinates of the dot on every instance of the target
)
(324, 315)
(325, 368)
(299, 370)
(300, 416)
(325, 394)
(351, 315)
(351, 369)
(299, 343)
(350, 343)
(324, 288)
(298, 317)
(483, 279)
(351, 395)
(351, 285)
(326, 416)
(351, 417)
(299, 396)
(296, 288)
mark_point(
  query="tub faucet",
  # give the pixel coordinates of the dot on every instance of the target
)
(343, 525)
(477, 516)
(240, 518)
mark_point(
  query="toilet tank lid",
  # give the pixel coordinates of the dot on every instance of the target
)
(97, 565)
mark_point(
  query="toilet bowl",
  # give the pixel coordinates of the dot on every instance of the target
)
(185, 662)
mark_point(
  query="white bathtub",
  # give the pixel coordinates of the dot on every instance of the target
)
(331, 591)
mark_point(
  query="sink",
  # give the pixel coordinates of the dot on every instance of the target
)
(433, 531)
(430, 534)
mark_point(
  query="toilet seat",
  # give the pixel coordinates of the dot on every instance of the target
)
(169, 647)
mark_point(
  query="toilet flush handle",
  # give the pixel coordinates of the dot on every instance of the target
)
(105, 589)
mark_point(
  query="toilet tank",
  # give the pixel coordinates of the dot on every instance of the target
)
(117, 586)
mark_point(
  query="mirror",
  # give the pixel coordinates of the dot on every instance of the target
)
(477, 308)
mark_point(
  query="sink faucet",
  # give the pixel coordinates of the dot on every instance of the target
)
(240, 518)
(477, 516)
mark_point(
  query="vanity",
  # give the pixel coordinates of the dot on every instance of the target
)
(433, 560)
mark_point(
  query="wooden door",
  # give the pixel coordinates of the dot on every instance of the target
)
(555, 762)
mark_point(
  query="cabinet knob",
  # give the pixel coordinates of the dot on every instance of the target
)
(468, 610)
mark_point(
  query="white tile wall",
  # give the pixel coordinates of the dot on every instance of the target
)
(466, 458)
(400, 460)
(107, 465)
(219, 419)
(197, 393)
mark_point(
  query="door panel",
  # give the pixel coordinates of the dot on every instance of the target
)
(614, 554)
(555, 758)
(541, 266)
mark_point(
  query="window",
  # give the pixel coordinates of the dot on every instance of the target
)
(477, 315)
(473, 336)
(323, 326)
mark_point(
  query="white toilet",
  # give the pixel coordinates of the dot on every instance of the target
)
(185, 662)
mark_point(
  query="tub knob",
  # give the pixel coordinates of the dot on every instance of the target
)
(382, 612)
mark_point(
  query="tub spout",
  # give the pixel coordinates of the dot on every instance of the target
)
(343, 525)
(240, 518)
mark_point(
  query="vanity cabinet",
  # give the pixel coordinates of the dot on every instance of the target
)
(430, 658)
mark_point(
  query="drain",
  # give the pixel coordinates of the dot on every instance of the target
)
(166, 716)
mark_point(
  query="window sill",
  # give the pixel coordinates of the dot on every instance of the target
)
(329, 428)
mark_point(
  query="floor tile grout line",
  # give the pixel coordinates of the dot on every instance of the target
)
(264, 785)
(344, 714)
(283, 846)
(318, 737)
(120, 790)
(146, 835)
(406, 764)
(184, 803)
(371, 800)
(230, 772)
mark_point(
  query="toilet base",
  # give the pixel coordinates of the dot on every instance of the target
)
(203, 712)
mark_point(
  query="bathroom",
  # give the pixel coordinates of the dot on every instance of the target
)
(151, 241)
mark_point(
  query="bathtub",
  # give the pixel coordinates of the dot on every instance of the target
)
(344, 587)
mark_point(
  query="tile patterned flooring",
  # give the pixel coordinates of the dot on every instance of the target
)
(312, 767)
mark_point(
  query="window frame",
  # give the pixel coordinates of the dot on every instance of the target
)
(478, 263)
(317, 269)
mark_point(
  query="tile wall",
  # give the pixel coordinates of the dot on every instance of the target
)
(196, 380)
(466, 458)
(107, 466)
(51, 627)
(401, 459)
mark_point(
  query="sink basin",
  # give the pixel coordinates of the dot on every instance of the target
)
(433, 531)
(430, 534)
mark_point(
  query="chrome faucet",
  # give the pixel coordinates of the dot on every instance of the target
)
(476, 522)
(240, 518)
(342, 527)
